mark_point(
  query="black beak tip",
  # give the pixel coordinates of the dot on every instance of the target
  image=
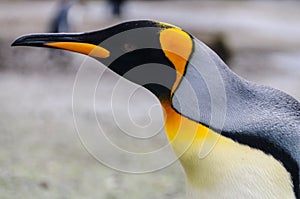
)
(15, 43)
(30, 40)
(21, 41)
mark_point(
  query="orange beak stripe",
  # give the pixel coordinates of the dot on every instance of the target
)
(83, 48)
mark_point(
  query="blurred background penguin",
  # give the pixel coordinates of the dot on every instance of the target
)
(68, 15)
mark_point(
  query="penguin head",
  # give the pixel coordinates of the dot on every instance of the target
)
(151, 54)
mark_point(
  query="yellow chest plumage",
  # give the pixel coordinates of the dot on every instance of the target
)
(229, 169)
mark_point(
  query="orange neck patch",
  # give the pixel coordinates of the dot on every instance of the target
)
(181, 128)
(177, 45)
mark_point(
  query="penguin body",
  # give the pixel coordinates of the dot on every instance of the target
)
(234, 138)
(260, 117)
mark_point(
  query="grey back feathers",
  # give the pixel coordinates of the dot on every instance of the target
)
(255, 115)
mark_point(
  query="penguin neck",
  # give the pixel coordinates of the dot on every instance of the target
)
(175, 124)
(218, 167)
(161, 92)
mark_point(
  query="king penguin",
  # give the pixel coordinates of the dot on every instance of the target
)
(233, 138)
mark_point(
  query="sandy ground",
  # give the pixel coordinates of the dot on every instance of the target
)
(43, 156)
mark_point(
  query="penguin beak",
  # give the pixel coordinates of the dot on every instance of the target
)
(71, 42)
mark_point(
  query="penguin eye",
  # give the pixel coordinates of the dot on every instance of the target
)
(127, 47)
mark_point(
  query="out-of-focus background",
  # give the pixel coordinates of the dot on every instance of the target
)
(41, 155)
